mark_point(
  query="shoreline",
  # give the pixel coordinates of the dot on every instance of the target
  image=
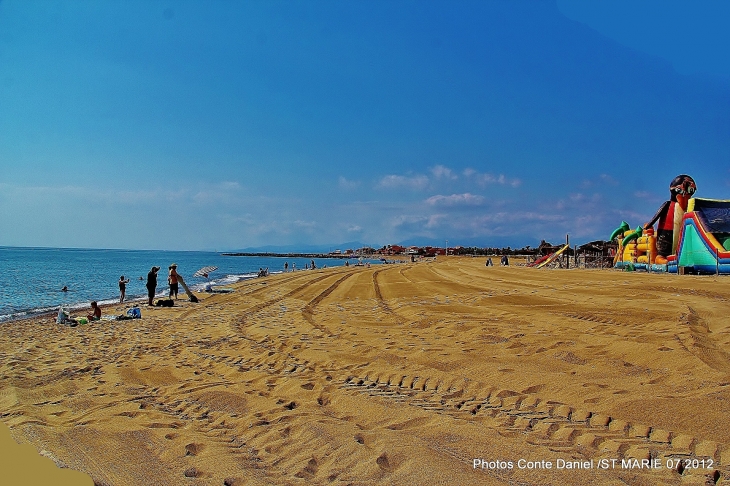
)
(392, 374)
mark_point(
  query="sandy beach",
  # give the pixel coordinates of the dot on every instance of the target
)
(390, 374)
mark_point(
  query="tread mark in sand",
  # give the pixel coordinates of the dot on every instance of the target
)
(550, 424)
(383, 303)
(308, 310)
(243, 317)
(699, 343)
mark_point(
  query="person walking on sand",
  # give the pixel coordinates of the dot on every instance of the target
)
(172, 280)
(152, 284)
(122, 288)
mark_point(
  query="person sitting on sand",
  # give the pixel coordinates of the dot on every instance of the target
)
(122, 288)
(96, 312)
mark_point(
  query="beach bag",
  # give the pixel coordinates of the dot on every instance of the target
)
(134, 313)
(165, 303)
(63, 315)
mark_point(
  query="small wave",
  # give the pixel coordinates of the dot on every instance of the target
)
(196, 285)
(225, 280)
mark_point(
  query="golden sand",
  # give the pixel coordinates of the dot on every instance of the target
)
(394, 374)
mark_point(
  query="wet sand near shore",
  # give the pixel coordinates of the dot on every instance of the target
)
(392, 374)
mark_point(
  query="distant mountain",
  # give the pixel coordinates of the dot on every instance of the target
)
(302, 248)
(478, 242)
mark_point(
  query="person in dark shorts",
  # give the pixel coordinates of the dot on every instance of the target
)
(152, 283)
(122, 288)
(172, 280)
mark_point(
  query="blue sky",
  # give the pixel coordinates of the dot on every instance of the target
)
(226, 125)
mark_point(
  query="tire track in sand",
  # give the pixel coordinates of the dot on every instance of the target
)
(545, 423)
(699, 343)
(381, 301)
(308, 310)
(246, 314)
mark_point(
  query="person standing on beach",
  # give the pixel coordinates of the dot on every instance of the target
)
(152, 284)
(122, 288)
(286, 266)
(172, 280)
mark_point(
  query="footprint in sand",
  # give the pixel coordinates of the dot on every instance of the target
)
(192, 472)
(384, 462)
(309, 470)
(193, 449)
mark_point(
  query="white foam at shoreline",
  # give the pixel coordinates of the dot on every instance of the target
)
(136, 298)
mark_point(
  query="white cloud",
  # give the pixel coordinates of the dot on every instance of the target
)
(397, 181)
(347, 184)
(524, 216)
(442, 172)
(435, 220)
(465, 199)
(579, 197)
(305, 224)
(485, 179)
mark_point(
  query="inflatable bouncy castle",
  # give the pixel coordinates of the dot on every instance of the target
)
(704, 240)
(692, 236)
(636, 248)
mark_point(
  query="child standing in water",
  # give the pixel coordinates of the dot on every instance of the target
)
(122, 288)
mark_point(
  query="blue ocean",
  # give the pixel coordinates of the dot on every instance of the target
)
(31, 279)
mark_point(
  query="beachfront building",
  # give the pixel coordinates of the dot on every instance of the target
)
(392, 250)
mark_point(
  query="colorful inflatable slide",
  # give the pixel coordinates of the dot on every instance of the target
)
(693, 235)
(704, 240)
(636, 248)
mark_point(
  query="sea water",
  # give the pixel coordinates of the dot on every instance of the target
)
(31, 279)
